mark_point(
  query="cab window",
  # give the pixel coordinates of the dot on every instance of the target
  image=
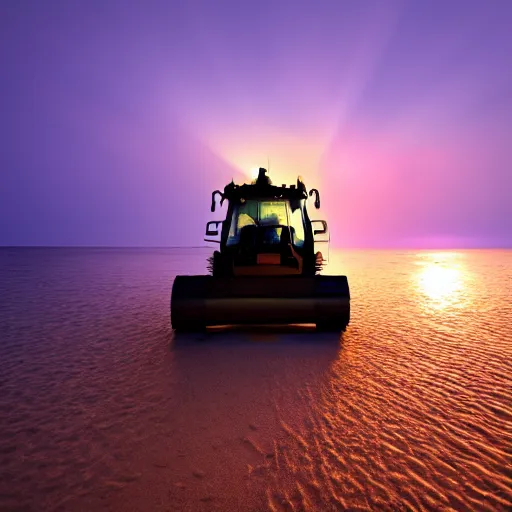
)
(297, 227)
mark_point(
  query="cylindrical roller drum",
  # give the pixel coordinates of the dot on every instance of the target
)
(200, 301)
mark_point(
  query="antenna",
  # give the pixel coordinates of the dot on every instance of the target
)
(268, 164)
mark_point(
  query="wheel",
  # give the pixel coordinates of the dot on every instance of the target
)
(331, 327)
(186, 316)
(338, 324)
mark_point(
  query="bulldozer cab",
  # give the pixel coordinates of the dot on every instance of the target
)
(267, 227)
(273, 222)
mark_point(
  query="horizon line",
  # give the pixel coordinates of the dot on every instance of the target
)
(348, 248)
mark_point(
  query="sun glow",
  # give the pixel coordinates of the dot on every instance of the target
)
(285, 154)
(254, 173)
(439, 282)
(442, 279)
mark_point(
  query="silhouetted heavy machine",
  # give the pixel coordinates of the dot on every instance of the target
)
(266, 270)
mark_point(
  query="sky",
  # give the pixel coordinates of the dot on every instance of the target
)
(118, 119)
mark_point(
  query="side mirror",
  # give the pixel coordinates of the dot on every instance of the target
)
(317, 197)
(214, 193)
(319, 230)
(215, 230)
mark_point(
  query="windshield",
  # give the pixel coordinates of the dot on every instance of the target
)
(257, 213)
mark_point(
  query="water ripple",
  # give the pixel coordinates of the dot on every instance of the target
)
(411, 409)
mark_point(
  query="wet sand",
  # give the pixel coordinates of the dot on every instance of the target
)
(103, 408)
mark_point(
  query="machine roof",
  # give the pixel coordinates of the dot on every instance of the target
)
(262, 187)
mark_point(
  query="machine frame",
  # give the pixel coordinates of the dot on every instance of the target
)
(254, 281)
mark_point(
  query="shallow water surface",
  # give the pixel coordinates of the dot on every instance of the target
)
(103, 408)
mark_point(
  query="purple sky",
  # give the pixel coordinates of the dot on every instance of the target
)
(118, 119)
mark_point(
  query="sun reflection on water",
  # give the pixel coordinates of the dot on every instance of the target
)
(441, 279)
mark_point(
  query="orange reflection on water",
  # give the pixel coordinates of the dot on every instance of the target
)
(441, 279)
